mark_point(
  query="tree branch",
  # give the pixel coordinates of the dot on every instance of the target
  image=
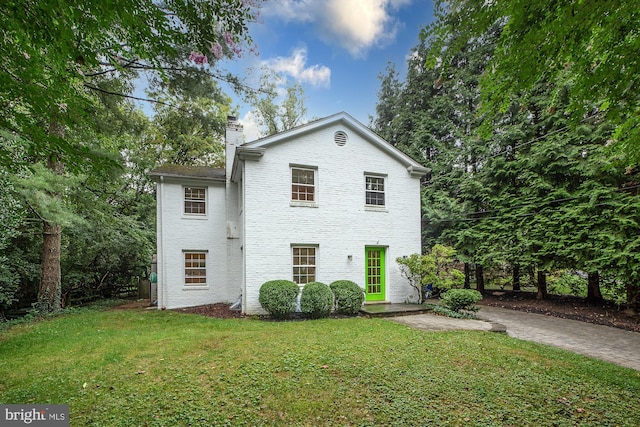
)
(99, 73)
(154, 101)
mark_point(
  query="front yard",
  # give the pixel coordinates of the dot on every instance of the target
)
(162, 368)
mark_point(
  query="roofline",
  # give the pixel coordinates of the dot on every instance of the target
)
(245, 153)
(418, 171)
(352, 123)
(156, 176)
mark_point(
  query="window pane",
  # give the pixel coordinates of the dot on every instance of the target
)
(302, 184)
(374, 191)
(195, 271)
(195, 200)
(304, 265)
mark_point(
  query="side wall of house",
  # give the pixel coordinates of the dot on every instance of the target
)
(234, 137)
(339, 225)
(179, 233)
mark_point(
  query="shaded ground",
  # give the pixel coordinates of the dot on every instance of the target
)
(568, 307)
(565, 306)
(220, 310)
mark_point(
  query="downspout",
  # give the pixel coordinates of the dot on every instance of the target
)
(243, 245)
(163, 273)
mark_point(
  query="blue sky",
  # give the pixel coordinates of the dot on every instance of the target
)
(334, 48)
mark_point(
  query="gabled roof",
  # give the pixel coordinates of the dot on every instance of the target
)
(413, 167)
(180, 171)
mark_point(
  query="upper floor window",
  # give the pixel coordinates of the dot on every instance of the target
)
(195, 200)
(303, 184)
(374, 190)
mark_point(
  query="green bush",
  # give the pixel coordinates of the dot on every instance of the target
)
(316, 300)
(461, 299)
(444, 311)
(348, 296)
(569, 283)
(278, 297)
(9, 285)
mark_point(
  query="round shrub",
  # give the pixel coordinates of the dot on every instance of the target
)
(316, 300)
(278, 297)
(348, 296)
(461, 299)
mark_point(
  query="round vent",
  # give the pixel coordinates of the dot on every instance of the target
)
(340, 138)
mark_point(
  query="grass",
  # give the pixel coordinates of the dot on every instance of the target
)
(161, 368)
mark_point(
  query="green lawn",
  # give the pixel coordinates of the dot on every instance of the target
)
(134, 368)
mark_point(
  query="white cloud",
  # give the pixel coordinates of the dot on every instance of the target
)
(251, 129)
(290, 10)
(356, 25)
(296, 67)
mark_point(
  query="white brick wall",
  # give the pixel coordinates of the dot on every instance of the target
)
(340, 224)
(234, 137)
(178, 232)
(250, 224)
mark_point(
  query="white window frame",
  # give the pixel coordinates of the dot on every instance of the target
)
(314, 186)
(368, 189)
(194, 200)
(196, 278)
(298, 275)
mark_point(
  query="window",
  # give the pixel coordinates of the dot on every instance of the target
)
(304, 264)
(195, 200)
(195, 268)
(303, 185)
(374, 190)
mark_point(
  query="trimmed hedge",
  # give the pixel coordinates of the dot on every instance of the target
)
(348, 296)
(278, 297)
(461, 299)
(316, 300)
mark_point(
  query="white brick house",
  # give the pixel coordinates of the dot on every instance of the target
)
(326, 201)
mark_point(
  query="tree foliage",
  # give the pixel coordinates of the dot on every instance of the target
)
(56, 55)
(593, 44)
(277, 104)
(196, 137)
(67, 72)
(540, 190)
(436, 268)
(11, 218)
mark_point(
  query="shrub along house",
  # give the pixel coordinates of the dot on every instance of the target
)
(325, 201)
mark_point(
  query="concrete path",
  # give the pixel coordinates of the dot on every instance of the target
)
(432, 322)
(602, 342)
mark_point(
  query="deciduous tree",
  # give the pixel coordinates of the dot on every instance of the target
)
(277, 104)
(62, 62)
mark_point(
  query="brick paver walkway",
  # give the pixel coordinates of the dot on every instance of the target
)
(602, 342)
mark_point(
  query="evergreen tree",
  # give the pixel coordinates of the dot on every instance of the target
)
(63, 64)
(594, 44)
(528, 185)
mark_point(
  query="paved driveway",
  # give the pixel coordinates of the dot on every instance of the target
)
(602, 342)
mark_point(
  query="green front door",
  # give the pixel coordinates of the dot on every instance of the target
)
(375, 274)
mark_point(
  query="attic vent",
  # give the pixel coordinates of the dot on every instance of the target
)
(340, 138)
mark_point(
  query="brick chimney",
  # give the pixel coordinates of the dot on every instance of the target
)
(234, 137)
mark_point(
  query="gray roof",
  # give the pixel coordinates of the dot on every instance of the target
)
(180, 171)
